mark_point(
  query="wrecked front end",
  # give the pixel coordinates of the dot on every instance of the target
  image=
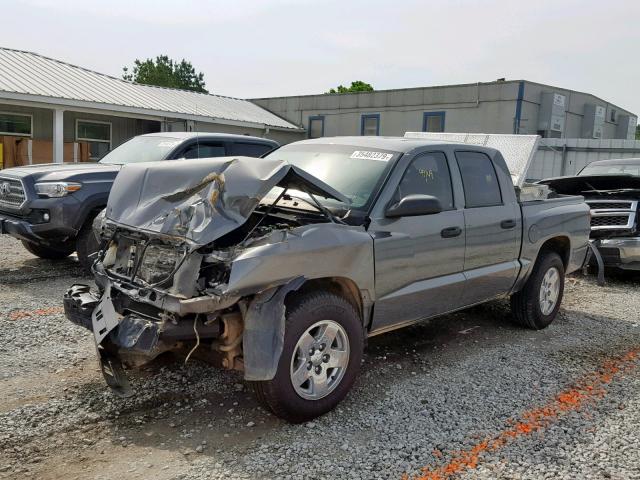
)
(204, 269)
(614, 202)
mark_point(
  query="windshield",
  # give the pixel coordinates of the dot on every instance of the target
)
(356, 172)
(612, 169)
(141, 149)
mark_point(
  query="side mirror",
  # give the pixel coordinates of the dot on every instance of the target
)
(413, 205)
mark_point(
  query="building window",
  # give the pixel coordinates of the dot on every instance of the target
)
(370, 124)
(433, 122)
(97, 135)
(316, 126)
(613, 115)
(15, 124)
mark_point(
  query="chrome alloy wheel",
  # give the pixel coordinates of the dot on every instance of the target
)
(319, 360)
(549, 290)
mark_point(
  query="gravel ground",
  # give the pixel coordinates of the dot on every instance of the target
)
(464, 396)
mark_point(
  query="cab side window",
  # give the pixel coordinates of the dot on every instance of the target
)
(428, 174)
(205, 150)
(479, 179)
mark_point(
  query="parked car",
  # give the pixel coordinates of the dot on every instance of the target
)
(282, 268)
(51, 207)
(612, 190)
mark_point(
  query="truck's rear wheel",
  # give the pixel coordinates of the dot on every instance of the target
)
(49, 252)
(323, 345)
(537, 304)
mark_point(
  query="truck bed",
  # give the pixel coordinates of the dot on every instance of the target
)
(561, 215)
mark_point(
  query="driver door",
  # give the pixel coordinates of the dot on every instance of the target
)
(419, 259)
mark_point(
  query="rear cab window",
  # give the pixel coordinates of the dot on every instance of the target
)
(479, 180)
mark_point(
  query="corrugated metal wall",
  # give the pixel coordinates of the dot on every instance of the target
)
(567, 156)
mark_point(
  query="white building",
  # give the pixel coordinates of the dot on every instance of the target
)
(517, 106)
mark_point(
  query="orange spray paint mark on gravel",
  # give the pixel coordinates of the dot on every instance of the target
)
(590, 388)
(20, 314)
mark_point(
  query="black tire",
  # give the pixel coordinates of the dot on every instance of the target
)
(525, 305)
(278, 394)
(49, 252)
(86, 244)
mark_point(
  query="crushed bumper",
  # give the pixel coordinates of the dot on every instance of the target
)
(128, 331)
(79, 303)
(128, 338)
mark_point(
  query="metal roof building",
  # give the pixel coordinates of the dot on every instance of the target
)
(46, 100)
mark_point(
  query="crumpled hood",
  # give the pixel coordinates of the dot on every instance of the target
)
(578, 184)
(201, 200)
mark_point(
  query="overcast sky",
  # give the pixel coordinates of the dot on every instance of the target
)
(288, 47)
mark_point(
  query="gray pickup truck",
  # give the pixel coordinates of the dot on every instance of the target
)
(51, 207)
(281, 268)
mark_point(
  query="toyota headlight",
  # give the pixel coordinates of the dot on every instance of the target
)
(56, 189)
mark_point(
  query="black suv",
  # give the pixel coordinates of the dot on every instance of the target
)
(51, 207)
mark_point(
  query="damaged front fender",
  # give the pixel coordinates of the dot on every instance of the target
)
(263, 338)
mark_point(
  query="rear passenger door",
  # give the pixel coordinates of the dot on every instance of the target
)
(418, 259)
(492, 222)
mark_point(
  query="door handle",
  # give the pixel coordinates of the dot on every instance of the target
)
(506, 224)
(450, 232)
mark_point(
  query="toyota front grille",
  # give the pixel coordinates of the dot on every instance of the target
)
(11, 193)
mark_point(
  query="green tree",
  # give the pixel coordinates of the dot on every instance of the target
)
(357, 86)
(164, 72)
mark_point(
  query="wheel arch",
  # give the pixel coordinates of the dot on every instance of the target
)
(264, 319)
(343, 286)
(561, 245)
(89, 211)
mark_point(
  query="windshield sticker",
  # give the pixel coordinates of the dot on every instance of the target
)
(169, 144)
(365, 155)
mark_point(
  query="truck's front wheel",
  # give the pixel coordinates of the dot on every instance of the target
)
(537, 304)
(49, 252)
(323, 345)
